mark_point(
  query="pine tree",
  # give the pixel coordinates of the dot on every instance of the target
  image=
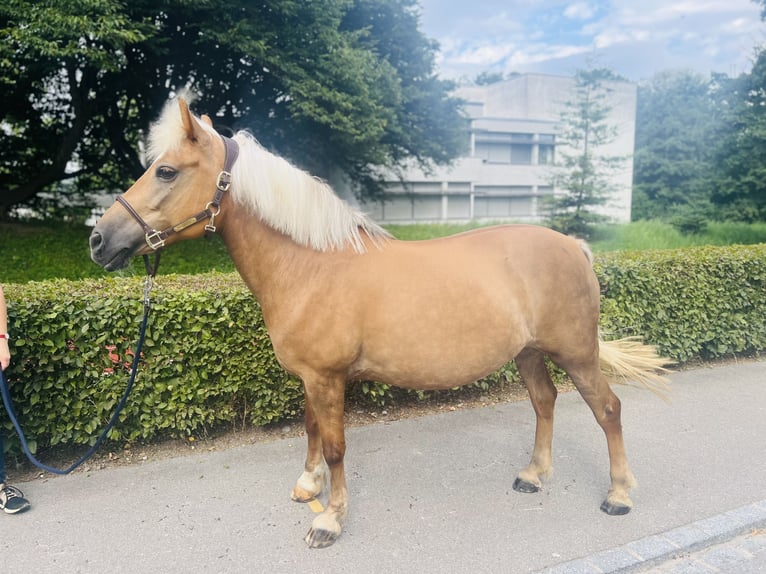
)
(581, 176)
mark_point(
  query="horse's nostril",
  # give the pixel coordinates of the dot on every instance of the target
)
(95, 241)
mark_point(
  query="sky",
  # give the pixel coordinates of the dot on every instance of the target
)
(635, 38)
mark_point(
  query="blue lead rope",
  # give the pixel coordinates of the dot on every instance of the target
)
(134, 369)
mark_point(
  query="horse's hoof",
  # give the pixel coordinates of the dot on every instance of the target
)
(320, 538)
(520, 485)
(300, 495)
(325, 529)
(614, 509)
(309, 485)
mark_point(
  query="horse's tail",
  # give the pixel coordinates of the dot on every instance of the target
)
(629, 360)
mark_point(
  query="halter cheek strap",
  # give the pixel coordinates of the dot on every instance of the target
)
(156, 239)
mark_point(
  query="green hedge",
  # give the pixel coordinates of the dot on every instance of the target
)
(701, 303)
(208, 360)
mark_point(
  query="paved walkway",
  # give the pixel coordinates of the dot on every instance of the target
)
(733, 541)
(433, 494)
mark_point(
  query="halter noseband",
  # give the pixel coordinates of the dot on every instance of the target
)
(156, 239)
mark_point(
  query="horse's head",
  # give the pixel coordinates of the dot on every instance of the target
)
(181, 190)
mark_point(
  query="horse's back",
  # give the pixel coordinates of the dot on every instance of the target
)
(504, 257)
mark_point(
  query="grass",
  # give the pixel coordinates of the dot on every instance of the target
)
(644, 235)
(635, 236)
(418, 231)
(37, 252)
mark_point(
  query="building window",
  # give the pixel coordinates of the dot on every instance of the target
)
(493, 152)
(428, 207)
(514, 148)
(521, 154)
(374, 209)
(502, 207)
(521, 207)
(545, 154)
(458, 207)
(397, 208)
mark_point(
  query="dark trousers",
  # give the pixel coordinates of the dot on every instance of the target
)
(2, 460)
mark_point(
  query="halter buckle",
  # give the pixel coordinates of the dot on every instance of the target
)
(224, 181)
(155, 240)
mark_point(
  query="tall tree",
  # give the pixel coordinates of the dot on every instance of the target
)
(582, 173)
(331, 84)
(740, 184)
(52, 60)
(678, 125)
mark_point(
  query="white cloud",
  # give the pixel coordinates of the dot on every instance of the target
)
(522, 59)
(484, 55)
(636, 39)
(654, 12)
(614, 37)
(737, 26)
(580, 11)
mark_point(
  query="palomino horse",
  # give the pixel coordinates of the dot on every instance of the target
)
(344, 301)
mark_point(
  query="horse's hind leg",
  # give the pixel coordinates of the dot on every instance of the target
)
(542, 392)
(594, 388)
(312, 481)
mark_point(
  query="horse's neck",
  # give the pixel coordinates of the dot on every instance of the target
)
(273, 266)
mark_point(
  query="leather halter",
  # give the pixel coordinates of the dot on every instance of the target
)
(156, 239)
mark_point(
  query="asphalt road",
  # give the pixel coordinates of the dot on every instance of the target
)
(433, 494)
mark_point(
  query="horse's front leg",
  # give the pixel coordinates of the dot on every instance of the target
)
(311, 483)
(326, 397)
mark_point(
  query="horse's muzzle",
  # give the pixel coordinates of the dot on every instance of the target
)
(109, 258)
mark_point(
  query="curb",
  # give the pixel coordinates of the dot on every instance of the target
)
(652, 550)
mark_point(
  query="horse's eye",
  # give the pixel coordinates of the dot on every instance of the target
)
(166, 173)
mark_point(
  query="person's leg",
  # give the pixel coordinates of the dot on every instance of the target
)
(11, 498)
(2, 462)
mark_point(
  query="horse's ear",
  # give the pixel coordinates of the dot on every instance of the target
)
(206, 118)
(192, 129)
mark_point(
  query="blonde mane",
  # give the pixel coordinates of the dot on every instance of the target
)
(296, 203)
(286, 198)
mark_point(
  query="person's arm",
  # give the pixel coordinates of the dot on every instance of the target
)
(5, 352)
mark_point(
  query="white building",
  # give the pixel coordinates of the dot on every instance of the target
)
(513, 144)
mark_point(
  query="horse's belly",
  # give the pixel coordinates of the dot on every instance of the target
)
(422, 369)
(431, 348)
